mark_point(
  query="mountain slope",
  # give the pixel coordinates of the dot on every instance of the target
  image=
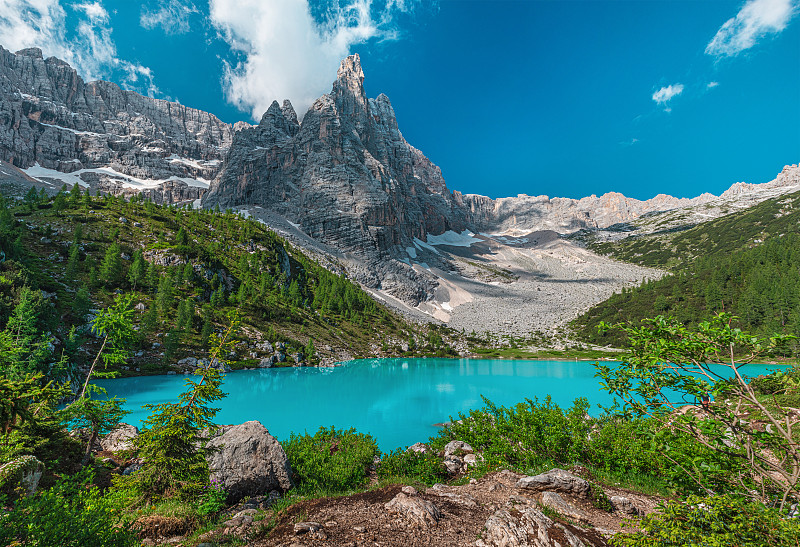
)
(746, 263)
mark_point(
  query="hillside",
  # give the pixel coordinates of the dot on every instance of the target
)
(747, 263)
(184, 270)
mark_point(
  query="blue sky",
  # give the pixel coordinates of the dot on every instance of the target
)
(564, 98)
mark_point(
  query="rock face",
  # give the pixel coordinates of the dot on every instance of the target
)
(345, 175)
(249, 461)
(115, 140)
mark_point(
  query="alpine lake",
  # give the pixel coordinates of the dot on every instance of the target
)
(397, 401)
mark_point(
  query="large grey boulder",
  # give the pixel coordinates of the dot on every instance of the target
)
(556, 480)
(120, 438)
(248, 461)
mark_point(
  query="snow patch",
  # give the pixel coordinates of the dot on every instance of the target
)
(453, 239)
(412, 252)
(38, 172)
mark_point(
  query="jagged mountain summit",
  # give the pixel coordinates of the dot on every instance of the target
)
(345, 176)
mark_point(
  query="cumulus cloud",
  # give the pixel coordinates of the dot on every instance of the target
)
(663, 95)
(172, 16)
(89, 48)
(284, 51)
(755, 20)
(711, 85)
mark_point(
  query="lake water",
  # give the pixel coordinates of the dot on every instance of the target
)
(398, 401)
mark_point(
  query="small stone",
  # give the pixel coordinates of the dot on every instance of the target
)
(306, 527)
(419, 448)
(359, 529)
(409, 490)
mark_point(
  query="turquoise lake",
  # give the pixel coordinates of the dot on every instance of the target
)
(398, 401)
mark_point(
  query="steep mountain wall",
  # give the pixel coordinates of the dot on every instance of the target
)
(49, 116)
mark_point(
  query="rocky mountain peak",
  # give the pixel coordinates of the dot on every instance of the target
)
(350, 70)
(290, 115)
(34, 52)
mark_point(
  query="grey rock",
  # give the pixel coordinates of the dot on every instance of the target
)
(453, 464)
(54, 118)
(121, 438)
(248, 461)
(267, 362)
(554, 501)
(458, 448)
(556, 480)
(527, 527)
(624, 505)
(416, 510)
(24, 472)
(420, 448)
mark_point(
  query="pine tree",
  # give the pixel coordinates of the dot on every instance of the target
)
(138, 270)
(111, 267)
(71, 269)
(172, 444)
(31, 198)
(182, 238)
(75, 195)
(59, 203)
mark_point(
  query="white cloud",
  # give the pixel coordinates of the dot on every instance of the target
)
(663, 95)
(285, 53)
(89, 48)
(711, 85)
(171, 15)
(756, 19)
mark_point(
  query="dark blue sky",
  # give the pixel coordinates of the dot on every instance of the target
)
(550, 97)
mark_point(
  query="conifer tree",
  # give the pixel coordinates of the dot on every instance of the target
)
(75, 195)
(138, 270)
(172, 444)
(111, 267)
(72, 262)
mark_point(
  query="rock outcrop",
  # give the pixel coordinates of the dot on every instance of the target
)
(248, 461)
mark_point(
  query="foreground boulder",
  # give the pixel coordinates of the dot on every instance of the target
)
(414, 509)
(556, 480)
(121, 438)
(248, 461)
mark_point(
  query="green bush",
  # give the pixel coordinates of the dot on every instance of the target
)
(331, 460)
(623, 445)
(71, 514)
(525, 435)
(715, 521)
(426, 468)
